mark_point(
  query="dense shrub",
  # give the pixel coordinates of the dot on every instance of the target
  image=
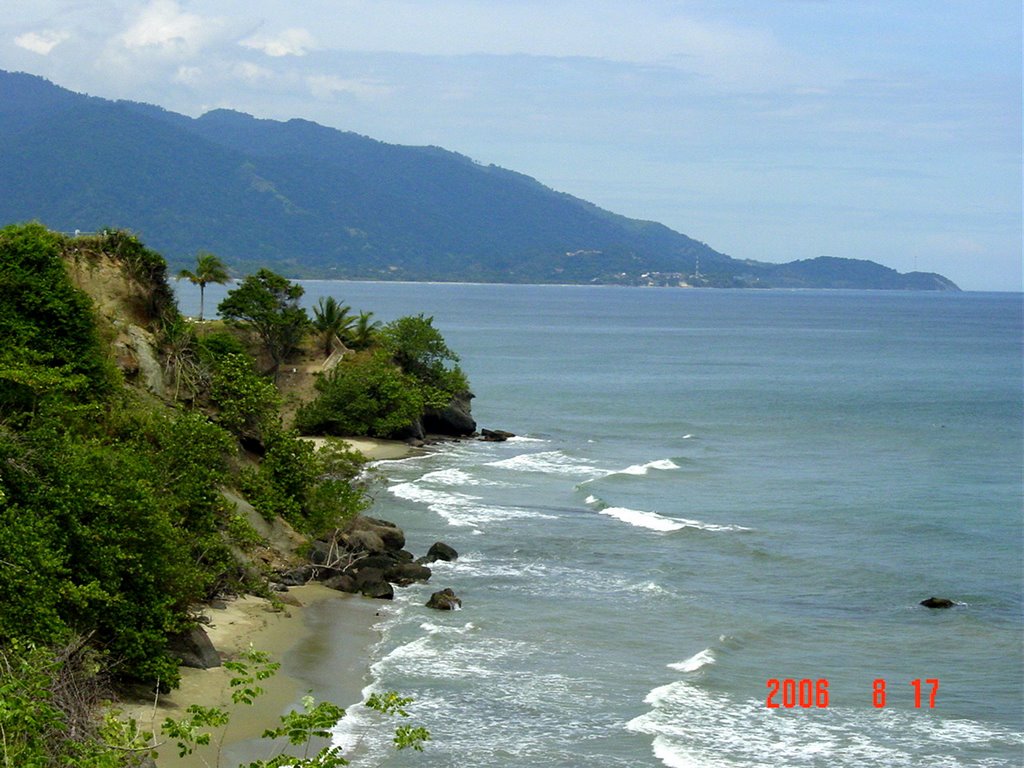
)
(248, 404)
(46, 323)
(313, 490)
(420, 350)
(364, 395)
(269, 304)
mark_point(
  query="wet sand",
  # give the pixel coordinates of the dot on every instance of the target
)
(322, 645)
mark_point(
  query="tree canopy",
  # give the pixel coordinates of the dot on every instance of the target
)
(269, 304)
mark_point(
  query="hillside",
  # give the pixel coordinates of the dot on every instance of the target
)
(311, 201)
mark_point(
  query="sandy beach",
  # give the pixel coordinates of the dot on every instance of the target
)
(328, 630)
(374, 449)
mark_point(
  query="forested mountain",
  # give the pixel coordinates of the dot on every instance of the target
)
(312, 201)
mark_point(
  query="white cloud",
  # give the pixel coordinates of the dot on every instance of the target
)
(188, 75)
(41, 42)
(165, 26)
(252, 73)
(291, 42)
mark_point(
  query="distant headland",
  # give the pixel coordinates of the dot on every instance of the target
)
(314, 202)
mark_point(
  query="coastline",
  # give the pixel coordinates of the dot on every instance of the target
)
(313, 628)
(325, 628)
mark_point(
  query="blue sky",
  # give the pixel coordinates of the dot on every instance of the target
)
(769, 129)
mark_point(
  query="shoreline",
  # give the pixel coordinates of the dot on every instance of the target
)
(372, 448)
(325, 623)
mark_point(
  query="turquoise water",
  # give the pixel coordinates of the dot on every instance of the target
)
(713, 489)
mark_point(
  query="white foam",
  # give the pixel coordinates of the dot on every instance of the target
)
(461, 509)
(641, 519)
(458, 477)
(642, 469)
(548, 462)
(695, 662)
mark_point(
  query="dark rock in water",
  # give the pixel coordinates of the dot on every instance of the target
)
(445, 600)
(380, 590)
(439, 551)
(403, 556)
(366, 576)
(937, 602)
(194, 649)
(404, 574)
(495, 435)
(455, 419)
(343, 582)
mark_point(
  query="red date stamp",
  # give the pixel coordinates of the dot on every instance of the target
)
(813, 694)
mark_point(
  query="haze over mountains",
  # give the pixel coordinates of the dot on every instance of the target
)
(311, 201)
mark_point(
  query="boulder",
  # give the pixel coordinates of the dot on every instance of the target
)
(937, 602)
(404, 574)
(319, 552)
(455, 419)
(364, 541)
(439, 551)
(296, 577)
(444, 600)
(382, 561)
(380, 590)
(343, 582)
(194, 649)
(390, 534)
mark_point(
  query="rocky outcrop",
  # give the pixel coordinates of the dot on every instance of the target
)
(454, 420)
(391, 536)
(444, 600)
(366, 558)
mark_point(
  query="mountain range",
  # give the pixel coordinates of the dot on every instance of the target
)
(312, 201)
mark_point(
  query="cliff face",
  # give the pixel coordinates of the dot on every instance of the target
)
(129, 302)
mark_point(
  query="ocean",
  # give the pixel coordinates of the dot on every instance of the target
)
(707, 544)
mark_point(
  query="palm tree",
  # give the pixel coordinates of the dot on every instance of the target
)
(365, 331)
(331, 319)
(209, 269)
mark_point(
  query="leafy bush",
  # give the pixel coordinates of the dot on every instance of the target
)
(311, 489)
(270, 305)
(248, 404)
(44, 320)
(364, 395)
(420, 350)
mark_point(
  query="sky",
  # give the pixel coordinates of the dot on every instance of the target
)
(772, 130)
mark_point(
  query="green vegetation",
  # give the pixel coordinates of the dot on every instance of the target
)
(269, 304)
(384, 391)
(332, 321)
(113, 519)
(49, 700)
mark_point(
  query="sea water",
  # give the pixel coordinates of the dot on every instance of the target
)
(711, 491)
